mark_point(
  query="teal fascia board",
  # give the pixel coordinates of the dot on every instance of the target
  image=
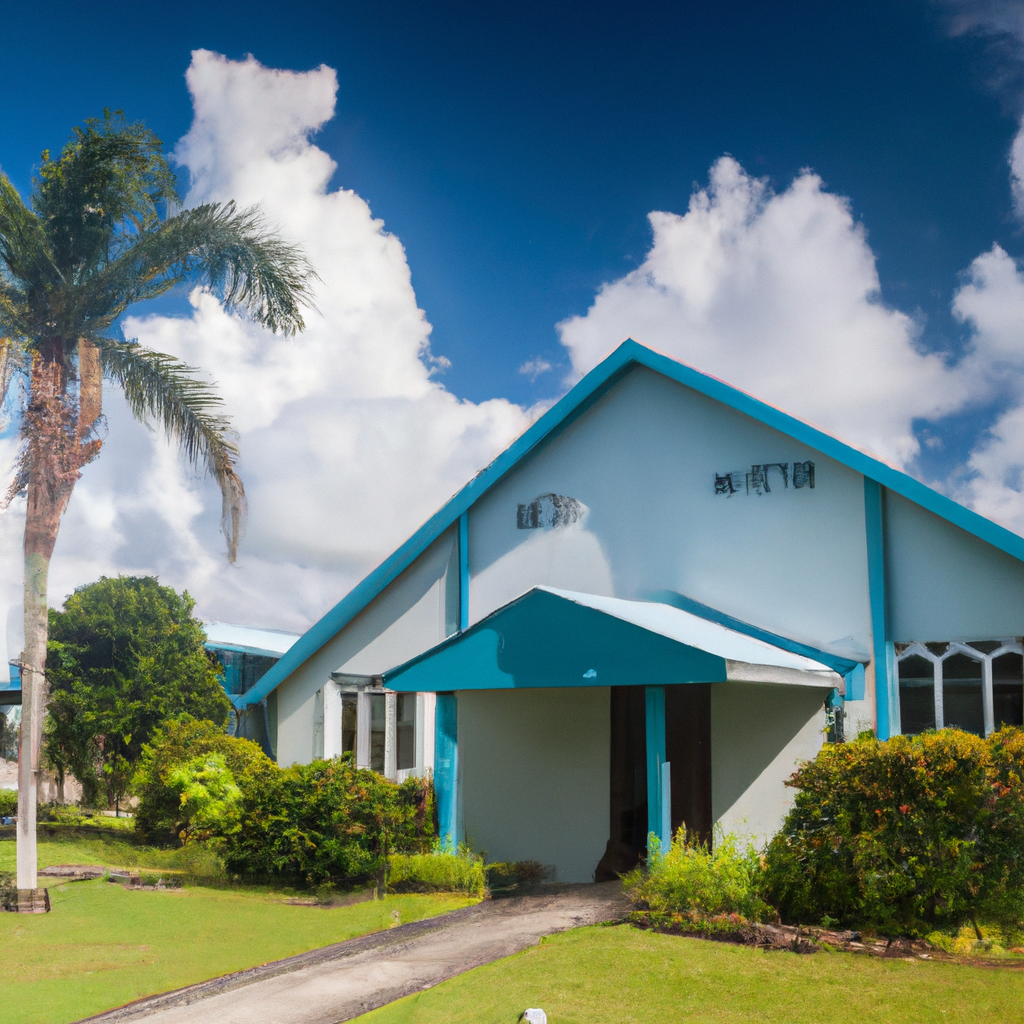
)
(259, 652)
(542, 640)
(569, 408)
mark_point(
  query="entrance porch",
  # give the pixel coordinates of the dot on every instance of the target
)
(567, 721)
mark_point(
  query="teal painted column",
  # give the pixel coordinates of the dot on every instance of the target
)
(654, 702)
(873, 524)
(446, 768)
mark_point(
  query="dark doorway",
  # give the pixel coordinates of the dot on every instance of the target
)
(628, 769)
(688, 750)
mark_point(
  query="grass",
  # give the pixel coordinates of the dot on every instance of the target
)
(105, 851)
(621, 975)
(437, 872)
(103, 945)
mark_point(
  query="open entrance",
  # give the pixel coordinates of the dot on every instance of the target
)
(628, 770)
(687, 749)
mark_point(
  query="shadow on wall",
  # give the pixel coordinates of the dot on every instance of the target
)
(755, 726)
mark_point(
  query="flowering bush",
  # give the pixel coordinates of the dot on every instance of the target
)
(904, 836)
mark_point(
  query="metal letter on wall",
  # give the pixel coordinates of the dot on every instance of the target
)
(764, 478)
(549, 511)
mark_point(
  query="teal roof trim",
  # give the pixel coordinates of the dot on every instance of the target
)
(687, 604)
(260, 652)
(564, 412)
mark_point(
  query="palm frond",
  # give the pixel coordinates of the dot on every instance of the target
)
(106, 186)
(160, 388)
(10, 362)
(24, 252)
(246, 265)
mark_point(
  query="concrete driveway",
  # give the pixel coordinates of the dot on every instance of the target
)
(342, 981)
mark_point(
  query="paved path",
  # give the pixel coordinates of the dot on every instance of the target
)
(342, 981)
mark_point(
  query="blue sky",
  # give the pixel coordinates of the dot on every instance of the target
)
(516, 148)
(516, 152)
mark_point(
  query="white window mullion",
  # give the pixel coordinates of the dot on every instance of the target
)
(987, 703)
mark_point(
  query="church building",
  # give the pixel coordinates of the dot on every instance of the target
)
(647, 611)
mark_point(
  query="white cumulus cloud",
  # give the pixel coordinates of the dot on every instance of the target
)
(347, 442)
(990, 301)
(778, 294)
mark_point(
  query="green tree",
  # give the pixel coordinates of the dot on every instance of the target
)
(95, 237)
(125, 655)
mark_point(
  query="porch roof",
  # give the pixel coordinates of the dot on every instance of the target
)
(548, 637)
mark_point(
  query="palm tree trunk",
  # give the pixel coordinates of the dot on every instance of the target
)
(33, 705)
(57, 448)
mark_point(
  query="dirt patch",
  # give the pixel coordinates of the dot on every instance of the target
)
(800, 939)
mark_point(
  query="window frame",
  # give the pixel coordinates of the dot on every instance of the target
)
(920, 650)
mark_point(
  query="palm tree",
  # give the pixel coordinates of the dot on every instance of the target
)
(99, 234)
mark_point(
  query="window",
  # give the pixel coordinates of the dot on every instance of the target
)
(405, 731)
(378, 728)
(977, 687)
(917, 694)
(348, 724)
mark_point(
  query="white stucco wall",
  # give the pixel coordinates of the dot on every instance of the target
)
(643, 460)
(535, 776)
(944, 583)
(759, 734)
(408, 617)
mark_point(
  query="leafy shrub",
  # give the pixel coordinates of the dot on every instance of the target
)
(326, 821)
(905, 836)
(201, 861)
(436, 872)
(161, 816)
(316, 823)
(691, 879)
(62, 814)
(209, 797)
(8, 803)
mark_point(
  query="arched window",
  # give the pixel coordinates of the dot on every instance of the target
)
(917, 694)
(977, 687)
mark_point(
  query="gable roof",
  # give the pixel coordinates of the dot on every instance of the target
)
(570, 407)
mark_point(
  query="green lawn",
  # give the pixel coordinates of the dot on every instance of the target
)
(102, 945)
(103, 850)
(622, 975)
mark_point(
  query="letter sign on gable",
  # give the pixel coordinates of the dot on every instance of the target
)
(764, 478)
